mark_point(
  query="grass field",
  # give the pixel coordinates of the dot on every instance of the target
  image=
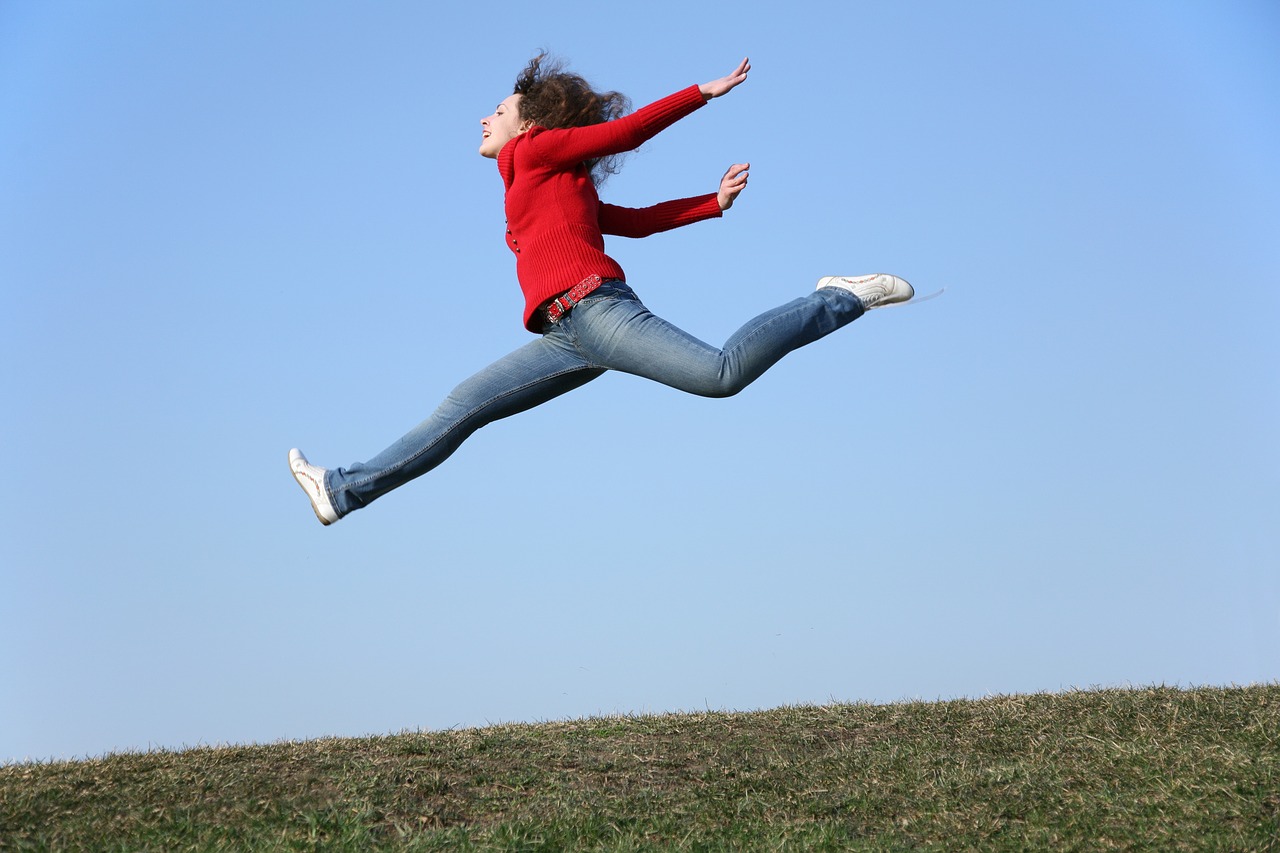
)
(1141, 769)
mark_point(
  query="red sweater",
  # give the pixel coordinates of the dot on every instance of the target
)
(555, 220)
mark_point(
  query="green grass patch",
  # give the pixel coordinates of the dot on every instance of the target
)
(1143, 769)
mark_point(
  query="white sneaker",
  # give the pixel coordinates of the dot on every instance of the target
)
(311, 478)
(875, 291)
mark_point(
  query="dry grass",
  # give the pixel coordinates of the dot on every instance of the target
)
(1150, 769)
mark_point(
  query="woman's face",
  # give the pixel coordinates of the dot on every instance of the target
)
(501, 127)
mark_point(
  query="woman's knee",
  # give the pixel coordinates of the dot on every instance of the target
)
(720, 386)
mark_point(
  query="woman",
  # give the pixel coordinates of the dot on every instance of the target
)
(553, 139)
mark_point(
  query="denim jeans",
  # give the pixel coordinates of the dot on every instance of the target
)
(608, 330)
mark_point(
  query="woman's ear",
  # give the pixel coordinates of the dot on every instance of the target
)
(525, 125)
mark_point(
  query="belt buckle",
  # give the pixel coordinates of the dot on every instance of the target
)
(571, 297)
(555, 310)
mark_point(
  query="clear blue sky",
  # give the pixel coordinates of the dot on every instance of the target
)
(230, 228)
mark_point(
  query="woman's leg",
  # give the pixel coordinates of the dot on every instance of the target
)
(614, 330)
(528, 377)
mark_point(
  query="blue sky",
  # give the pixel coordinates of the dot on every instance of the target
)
(227, 229)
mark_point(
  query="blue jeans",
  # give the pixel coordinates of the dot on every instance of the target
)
(609, 330)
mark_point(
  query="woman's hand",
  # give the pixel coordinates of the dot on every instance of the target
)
(724, 85)
(733, 182)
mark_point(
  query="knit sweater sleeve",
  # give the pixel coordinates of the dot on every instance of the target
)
(641, 222)
(572, 145)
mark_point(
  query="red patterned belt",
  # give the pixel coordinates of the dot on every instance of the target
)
(558, 307)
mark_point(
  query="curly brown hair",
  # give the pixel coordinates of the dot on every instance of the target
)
(554, 98)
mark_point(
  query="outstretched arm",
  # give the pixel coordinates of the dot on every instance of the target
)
(728, 83)
(641, 222)
(575, 144)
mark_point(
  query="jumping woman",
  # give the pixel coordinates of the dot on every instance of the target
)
(554, 139)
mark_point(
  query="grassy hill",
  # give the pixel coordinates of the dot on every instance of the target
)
(1153, 769)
